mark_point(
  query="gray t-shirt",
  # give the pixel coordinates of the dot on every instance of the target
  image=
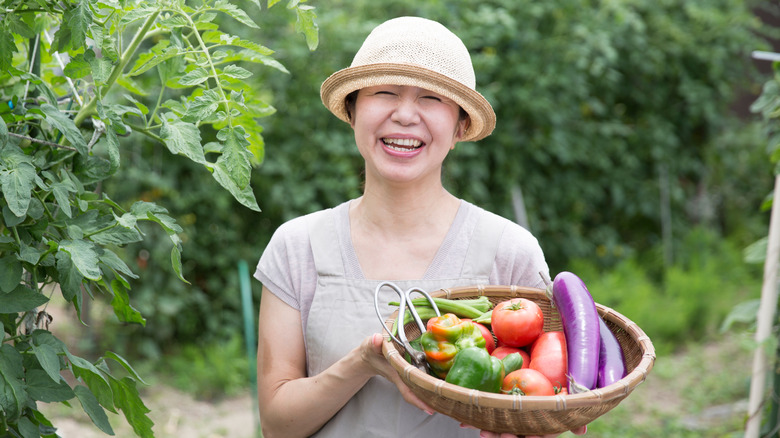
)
(287, 269)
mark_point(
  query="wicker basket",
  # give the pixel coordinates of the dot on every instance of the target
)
(526, 415)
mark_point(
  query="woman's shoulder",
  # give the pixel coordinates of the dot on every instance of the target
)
(510, 228)
(298, 228)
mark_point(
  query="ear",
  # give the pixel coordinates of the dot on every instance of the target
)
(460, 130)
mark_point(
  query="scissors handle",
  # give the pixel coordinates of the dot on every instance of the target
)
(405, 302)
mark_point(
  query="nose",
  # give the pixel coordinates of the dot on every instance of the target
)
(406, 112)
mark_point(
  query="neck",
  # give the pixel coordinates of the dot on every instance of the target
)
(403, 211)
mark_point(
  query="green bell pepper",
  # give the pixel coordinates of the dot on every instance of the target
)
(445, 337)
(475, 368)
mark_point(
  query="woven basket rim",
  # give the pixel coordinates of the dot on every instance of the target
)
(613, 392)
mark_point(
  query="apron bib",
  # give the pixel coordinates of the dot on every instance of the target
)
(342, 315)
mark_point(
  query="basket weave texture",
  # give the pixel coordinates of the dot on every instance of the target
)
(525, 415)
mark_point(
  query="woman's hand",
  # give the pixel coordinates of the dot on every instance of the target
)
(371, 353)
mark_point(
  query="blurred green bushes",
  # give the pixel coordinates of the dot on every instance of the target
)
(601, 106)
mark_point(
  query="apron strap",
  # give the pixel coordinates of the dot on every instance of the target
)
(325, 244)
(483, 245)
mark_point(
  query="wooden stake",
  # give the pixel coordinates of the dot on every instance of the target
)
(766, 316)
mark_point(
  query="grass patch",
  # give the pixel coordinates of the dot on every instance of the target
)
(211, 372)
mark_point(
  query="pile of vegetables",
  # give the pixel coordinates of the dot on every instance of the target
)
(504, 348)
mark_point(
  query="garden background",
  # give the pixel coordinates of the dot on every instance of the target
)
(635, 139)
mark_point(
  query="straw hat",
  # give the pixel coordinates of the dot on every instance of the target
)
(416, 52)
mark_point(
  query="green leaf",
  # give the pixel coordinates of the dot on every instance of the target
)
(40, 387)
(161, 52)
(745, 312)
(126, 365)
(244, 196)
(118, 235)
(101, 67)
(66, 126)
(182, 138)
(29, 254)
(84, 257)
(112, 146)
(235, 157)
(18, 26)
(98, 384)
(202, 106)
(3, 132)
(195, 77)
(11, 272)
(70, 278)
(7, 49)
(91, 406)
(12, 391)
(139, 11)
(129, 401)
(17, 175)
(221, 38)
(235, 12)
(28, 429)
(21, 299)
(122, 308)
(141, 107)
(168, 223)
(49, 360)
(176, 262)
(236, 72)
(78, 20)
(110, 259)
(61, 191)
(307, 26)
(78, 67)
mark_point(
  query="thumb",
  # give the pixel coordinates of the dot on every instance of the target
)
(376, 342)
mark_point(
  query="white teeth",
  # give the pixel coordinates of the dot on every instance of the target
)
(402, 144)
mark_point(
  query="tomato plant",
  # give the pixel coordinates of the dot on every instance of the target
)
(517, 322)
(548, 356)
(527, 381)
(73, 100)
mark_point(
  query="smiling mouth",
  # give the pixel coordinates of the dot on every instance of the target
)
(402, 144)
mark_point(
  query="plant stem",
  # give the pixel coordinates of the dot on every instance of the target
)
(213, 70)
(47, 143)
(146, 131)
(89, 108)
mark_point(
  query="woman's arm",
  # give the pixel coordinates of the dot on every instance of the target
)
(292, 404)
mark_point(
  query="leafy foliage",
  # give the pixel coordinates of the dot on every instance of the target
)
(72, 101)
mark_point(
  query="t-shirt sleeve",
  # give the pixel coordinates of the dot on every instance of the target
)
(286, 264)
(520, 259)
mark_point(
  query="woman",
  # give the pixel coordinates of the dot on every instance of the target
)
(409, 97)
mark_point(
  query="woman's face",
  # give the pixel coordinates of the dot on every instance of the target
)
(404, 133)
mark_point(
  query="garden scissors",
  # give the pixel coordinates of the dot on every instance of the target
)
(405, 302)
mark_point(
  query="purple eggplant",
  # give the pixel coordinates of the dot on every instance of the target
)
(580, 321)
(612, 366)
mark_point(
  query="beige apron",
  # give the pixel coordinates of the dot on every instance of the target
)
(342, 315)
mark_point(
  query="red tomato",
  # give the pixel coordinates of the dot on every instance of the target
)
(490, 343)
(502, 351)
(548, 356)
(527, 381)
(517, 322)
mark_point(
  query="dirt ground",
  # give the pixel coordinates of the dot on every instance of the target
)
(175, 414)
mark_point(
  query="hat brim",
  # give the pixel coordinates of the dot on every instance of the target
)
(336, 88)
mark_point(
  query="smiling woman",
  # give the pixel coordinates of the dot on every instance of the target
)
(409, 97)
